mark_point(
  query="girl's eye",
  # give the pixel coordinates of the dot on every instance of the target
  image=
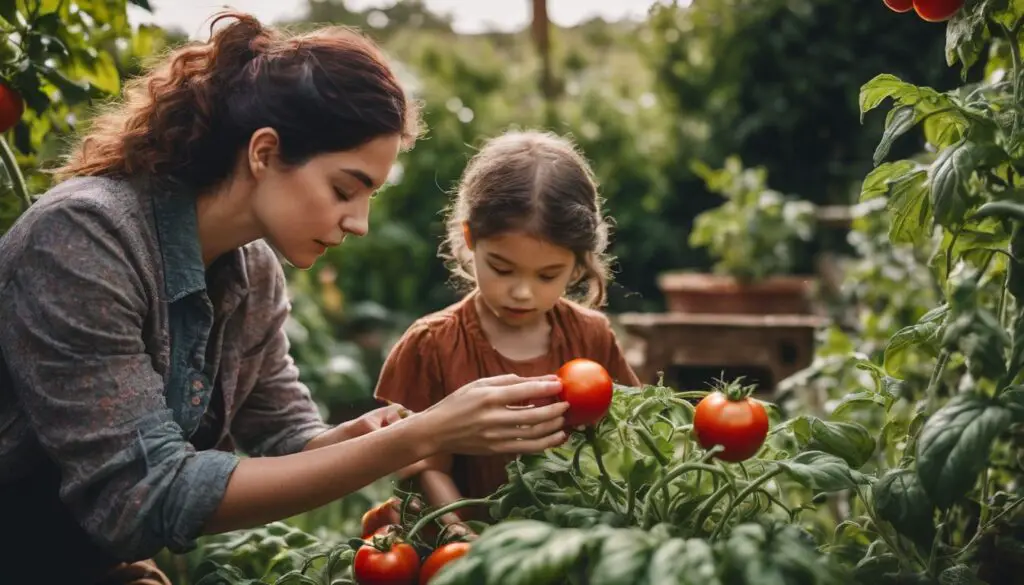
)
(548, 277)
(341, 194)
(501, 272)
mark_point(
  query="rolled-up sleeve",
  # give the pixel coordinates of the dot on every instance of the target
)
(73, 314)
(279, 416)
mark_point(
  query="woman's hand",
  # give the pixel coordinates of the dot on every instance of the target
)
(476, 419)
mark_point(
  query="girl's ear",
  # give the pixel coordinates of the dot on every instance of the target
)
(466, 235)
(578, 272)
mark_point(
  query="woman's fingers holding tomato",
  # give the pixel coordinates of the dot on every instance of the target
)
(524, 392)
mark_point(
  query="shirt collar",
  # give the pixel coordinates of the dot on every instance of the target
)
(178, 234)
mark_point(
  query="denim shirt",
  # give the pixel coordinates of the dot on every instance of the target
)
(114, 341)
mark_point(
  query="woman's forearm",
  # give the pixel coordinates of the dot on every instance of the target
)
(267, 489)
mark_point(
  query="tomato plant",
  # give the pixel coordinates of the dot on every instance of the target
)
(397, 564)
(441, 556)
(937, 10)
(900, 5)
(587, 387)
(732, 419)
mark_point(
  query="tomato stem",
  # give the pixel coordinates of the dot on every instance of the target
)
(14, 172)
(753, 486)
(645, 436)
(936, 377)
(456, 505)
(709, 504)
(605, 477)
(669, 477)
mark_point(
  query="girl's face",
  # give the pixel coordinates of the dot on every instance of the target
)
(306, 209)
(521, 276)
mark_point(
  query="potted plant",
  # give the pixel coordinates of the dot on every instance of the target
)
(753, 238)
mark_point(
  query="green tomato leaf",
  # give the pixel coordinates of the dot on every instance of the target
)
(926, 332)
(959, 575)
(965, 39)
(855, 402)
(622, 558)
(900, 500)
(848, 440)
(887, 85)
(554, 560)
(1013, 399)
(876, 184)
(686, 562)
(822, 472)
(953, 446)
(911, 209)
(900, 120)
(949, 174)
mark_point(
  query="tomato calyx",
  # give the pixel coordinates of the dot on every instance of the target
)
(735, 391)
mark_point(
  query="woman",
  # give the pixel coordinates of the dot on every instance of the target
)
(143, 307)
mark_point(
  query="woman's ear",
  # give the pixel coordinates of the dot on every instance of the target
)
(466, 235)
(263, 147)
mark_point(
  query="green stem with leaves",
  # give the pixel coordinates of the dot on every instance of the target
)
(9, 161)
(434, 514)
(606, 478)
(751, 488)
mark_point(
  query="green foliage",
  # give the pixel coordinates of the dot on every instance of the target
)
(754, 234)
(63, 58)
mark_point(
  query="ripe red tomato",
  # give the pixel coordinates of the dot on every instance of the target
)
(937, 10)
(440, 557)
(587, 387)
(740, 426)
(381, 515)
(11, 107)
(397, 566)
(900, 5)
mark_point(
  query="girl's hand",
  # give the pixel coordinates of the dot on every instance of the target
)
(477, 419)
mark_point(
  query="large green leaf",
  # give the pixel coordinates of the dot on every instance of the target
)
(622, 558)
(900, 120)
(848, 440)
(953, 446)
(949, 174)
(926, 332)
(823, 472)
(900, 500)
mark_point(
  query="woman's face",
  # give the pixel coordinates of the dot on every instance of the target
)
(306, 209)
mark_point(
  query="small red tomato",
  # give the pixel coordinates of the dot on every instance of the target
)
(440, 557)
(587, 387)
(900, 5)
(381, 515)
(11, 107)
(740, 426)
(397, 566)
(937, 10)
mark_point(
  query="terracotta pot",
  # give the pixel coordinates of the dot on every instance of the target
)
(692, 292)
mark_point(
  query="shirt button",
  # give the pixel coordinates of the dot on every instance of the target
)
(197, 384)
(195, 401)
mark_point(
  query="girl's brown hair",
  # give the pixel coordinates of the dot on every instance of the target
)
(537, 182)
(187, 119)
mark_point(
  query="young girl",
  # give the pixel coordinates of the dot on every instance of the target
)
(525, 229)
